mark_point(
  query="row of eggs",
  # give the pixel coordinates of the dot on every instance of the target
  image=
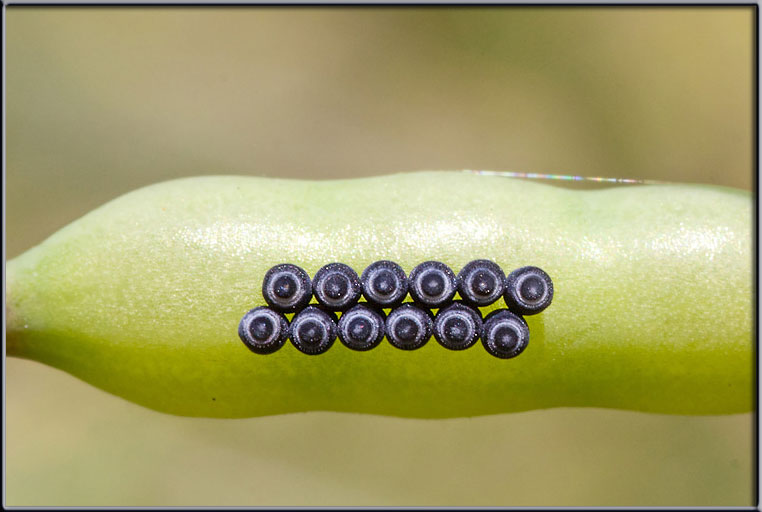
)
(336, 286)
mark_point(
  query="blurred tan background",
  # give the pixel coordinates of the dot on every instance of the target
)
(102, 101)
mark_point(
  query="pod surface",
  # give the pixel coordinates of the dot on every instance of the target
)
(652, 306)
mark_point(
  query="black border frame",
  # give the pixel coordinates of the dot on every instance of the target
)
(756, 191)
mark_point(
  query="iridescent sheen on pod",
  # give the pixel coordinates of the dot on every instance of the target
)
(504, 334)
(287, 288)
(263, 330)
(481, 283)
(337, 286)
(408, 327)
(313, 330)
(384, 284)
(432, 284)
(458, 326)
(528, 290)
(361, 328)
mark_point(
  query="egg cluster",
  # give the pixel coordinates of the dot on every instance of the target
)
(456, 325)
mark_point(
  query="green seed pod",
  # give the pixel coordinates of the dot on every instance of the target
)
(652, 306)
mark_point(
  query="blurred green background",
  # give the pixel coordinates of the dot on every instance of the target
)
(104, 100)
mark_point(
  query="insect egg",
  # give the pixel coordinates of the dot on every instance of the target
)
(313, 330)
(361, 328)
(287, 288)
(457, 327)
(432, 284)
(408, 327)
(481, 282)
(337, 286)
(384, 284)
(263, 330)
(504, 334)
(528, 291)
